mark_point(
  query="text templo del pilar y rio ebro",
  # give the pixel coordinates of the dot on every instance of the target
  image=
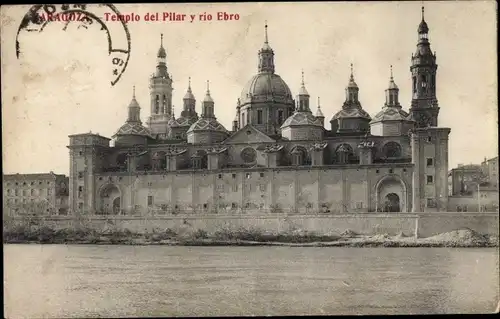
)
(172, 17)
(148, 17)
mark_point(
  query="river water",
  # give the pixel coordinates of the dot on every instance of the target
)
(124, 281)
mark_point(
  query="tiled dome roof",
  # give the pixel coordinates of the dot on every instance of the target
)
(391, 114)
(302, 118)
(352, 113)
(207, 124)
(133, 128)
(182, 121)
(265, 84)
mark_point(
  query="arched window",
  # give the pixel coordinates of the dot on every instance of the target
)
(392, 150)
(423, 82)
(157, 105)
(414, 84)
(164, 104)
(344, 153)
(300, 156)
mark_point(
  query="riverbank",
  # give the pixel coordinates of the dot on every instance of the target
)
(243, 237)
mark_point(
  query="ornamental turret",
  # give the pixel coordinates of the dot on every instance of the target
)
(424, 105)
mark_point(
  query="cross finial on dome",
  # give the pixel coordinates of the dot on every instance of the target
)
(303, 84)
(133, 92)
(173, 112)
(208, 87)
(352, 72)
(319, 106)
(391, 74)
(161, 39)
(266, 39)
(423, 10)
(189, 84)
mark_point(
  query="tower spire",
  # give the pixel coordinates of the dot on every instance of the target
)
(319, 113)
(266, 41)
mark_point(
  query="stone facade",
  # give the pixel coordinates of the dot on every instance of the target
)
(278, 156)
(36, 193)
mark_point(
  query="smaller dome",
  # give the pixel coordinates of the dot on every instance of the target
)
(301, 118)
(182, 122)
(133, 128)
(161, 52)
(391, 114)
(422, 27)
(352, 113)
(189, 95)
(392, 85)
(319, 113)
(208, 98)
(303, 91)
(134, 103)
(207, 124)
(352, 84)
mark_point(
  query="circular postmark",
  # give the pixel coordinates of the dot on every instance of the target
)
(86, 16)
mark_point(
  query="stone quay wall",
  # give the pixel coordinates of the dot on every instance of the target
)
(410, 224)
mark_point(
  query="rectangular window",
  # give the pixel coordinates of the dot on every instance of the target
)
(220, 176)
(16, 192)
(220, 187)
(234, 205)
(205, 206)
(359, 205)
(80, 205)
(262, 187)
(234, 175)
(430, 179)
(248, 117)
(280, 117)
(24, 192)
(235, 188)
(261, 174)
(150, 201)
(80, 174)
(259, 117)
(429, 139)
(248, 175)
(32, 192)
(430, 162)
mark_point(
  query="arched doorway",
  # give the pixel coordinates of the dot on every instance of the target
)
(391, 203)
(110, 199)
(391, 194)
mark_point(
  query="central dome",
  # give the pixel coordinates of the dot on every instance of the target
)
(264, 86)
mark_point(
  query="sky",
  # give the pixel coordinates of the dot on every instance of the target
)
(61, 83)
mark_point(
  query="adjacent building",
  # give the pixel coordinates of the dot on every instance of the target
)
(39, 194)
(474, 187)
(278, 154)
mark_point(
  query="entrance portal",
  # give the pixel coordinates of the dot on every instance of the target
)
(392, 203)
(110, 199)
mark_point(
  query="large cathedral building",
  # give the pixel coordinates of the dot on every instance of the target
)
(279, 154)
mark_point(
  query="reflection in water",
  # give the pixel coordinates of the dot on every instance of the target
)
(112, 281)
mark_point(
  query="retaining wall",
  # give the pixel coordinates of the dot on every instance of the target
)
(424, 224)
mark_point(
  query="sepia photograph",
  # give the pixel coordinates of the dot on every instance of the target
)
(250, 159)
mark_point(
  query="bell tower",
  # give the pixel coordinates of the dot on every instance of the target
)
(160, 85)
(424, 105)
